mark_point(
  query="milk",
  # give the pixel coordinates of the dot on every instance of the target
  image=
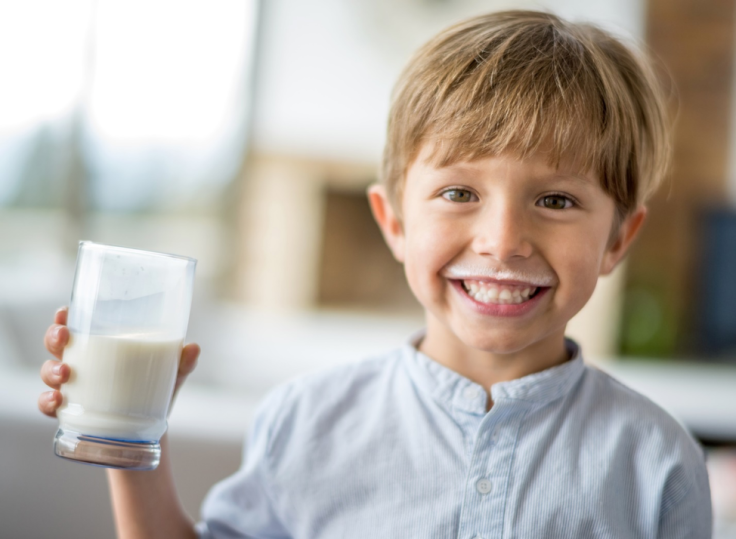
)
(120, 386)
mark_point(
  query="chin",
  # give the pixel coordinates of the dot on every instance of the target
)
(495, 344)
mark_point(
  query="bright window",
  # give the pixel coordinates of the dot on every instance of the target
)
(151, 97)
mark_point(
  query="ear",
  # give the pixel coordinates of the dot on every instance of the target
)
(388, 222)
(628, 230)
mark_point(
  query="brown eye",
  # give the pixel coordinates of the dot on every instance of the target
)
(556, 202)
(458, 195)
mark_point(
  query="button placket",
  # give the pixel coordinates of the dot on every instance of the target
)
(489, 469)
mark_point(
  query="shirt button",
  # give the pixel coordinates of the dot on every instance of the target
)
(483, 485)
(471, 393)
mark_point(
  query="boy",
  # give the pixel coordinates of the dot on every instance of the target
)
(520, 152)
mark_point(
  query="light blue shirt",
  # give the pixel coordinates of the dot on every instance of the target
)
(400, 446)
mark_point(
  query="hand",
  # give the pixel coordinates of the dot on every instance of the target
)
(54, 372)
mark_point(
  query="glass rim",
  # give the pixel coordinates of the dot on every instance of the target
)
(143, 252)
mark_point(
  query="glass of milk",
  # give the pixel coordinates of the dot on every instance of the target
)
(127, 322)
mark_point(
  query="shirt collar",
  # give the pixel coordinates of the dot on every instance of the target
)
(449, 387)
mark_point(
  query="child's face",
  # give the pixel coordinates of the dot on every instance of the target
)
(501, 252)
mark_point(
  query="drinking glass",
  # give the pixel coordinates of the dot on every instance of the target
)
(127, 321)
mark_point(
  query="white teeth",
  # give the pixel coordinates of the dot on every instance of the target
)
(489, 293)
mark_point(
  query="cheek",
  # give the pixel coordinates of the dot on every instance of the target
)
(430, 246)
(577, 266)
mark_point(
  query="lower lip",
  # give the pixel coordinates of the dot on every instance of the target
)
(492, 309)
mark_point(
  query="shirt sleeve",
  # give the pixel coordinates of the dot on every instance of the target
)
(242, 505)
(686, 505)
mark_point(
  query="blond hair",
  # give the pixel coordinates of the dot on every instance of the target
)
(526, 81)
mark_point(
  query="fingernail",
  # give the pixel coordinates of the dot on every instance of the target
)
(56, 369)
(50, 396)
(55, 334)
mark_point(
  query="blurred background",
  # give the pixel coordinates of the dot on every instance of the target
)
(244, 134)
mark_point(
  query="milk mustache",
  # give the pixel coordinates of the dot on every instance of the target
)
(120, 386)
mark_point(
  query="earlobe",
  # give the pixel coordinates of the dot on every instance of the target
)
(387, 220)
(628, 231)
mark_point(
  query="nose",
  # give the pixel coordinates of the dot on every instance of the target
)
(501, 232)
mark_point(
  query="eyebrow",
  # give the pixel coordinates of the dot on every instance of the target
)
(576, 178)
(555, 175)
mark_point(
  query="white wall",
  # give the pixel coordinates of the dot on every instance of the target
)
(328, 66)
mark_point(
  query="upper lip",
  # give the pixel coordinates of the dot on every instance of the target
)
(499, 277)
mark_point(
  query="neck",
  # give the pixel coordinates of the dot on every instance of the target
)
(486, 367)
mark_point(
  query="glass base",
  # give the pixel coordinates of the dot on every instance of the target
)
(108, 453)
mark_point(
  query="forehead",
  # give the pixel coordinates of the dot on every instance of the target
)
(534, 167)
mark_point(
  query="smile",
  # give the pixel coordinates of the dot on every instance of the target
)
(496, 294)
(498, 298)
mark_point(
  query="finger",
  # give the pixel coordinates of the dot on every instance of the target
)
(48, 402)
(188, 361)
(56, 338)
(60, 316)
(54, 373)
(189, 355)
